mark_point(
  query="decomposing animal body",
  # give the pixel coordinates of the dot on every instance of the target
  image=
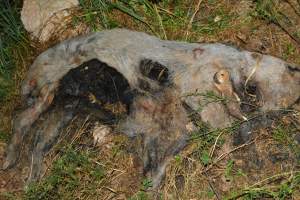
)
(154, 82)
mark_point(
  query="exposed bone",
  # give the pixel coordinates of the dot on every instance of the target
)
(178, 68)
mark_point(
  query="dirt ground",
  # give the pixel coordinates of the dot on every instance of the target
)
(221, 165)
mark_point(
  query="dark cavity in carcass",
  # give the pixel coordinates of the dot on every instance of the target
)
(154, 71)
(95, 85)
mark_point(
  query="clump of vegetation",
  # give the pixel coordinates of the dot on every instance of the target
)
(15, 51)
(284, 135)
(270, 10)
(14, 45)
(67, 176)
(95, 14)
(282, 190)
(142, 193)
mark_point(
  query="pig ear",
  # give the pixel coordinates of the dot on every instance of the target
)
(216, 80)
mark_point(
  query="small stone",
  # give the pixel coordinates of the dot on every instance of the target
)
(37, 16)
(100, 132)
(217, 18)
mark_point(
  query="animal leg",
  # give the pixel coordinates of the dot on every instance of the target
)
(23, 123)
(46, 137)
(156, 158)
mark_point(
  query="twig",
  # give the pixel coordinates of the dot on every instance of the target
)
(160, 22)
(257, 64)
(275, 177)
(212, 186)
(222, 156)
(31, 167)
(129, 12)
(103, 165)
(80, 131)
(192, 19)
(111, 190)
(249, 104)
(258, 184)
(168, 12)
(296, 40)
(215, 144)
(293, 7)
(236, 148)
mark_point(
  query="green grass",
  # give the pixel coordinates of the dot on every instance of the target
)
(285, 135)
(14, 44)
(206, 194)
(66, 178)
(205, 137)
(279, 186)
(229, 170)
(8, 196)
(4, 136)
(95, 14)
(162, 20)
(289, 50)
(206, 98)
(280, 191)
(267, 9)
(142, 194)
(271, 11)
(214, 23)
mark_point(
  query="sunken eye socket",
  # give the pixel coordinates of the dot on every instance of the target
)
(222, 74)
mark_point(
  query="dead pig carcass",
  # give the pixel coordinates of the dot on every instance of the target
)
(158, 78)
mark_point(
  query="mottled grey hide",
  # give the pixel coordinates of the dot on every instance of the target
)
(191, 65)
(191, 68)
